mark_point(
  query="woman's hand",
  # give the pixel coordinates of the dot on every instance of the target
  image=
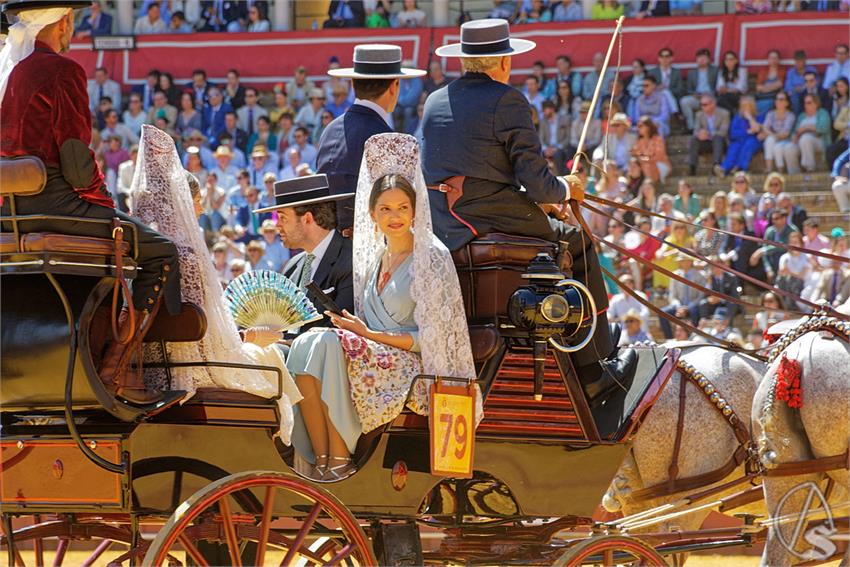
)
(262, 337)
(348, 322)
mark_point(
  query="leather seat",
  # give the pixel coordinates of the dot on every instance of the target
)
(490, 269)
(63, 243)
(190, 325)
(226, 396)
(485, 341)
(498, 249)
(8, 244)
(24, 175)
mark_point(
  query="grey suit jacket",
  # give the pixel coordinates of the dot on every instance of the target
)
(721, 122)
(677, 85)
(692, 79)
(563, 134)
(242, 117)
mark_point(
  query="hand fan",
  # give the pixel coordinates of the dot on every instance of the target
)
(268, 299)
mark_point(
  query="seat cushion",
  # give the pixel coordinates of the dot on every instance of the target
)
(25, 175)
(189, 325)
(484, 340)
(50, 242)
(8, 243)
(495, 249)
(226, 396)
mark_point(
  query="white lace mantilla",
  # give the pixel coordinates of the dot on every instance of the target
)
(439, 313)
(160, 197)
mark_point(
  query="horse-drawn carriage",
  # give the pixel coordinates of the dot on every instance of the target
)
(207, 482)
(209, 477)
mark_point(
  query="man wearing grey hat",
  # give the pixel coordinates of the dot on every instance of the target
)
(375, 76)
(483, 158)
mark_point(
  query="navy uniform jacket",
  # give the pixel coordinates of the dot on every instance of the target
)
(482, 129)
(341, 151)
(333, 273)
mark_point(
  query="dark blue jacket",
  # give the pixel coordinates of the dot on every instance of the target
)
(104, 25)
(482, 129)
(341, 151)
(214, 121)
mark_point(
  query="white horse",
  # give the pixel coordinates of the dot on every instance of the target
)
(818, 429)
(708, 442)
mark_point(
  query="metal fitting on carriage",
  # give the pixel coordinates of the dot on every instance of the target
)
(543, 308)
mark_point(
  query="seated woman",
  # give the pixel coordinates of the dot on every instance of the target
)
(407, 301)
(744, 141)
(161, 196)
(651, 151)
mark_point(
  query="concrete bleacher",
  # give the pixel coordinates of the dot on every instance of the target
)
(811, 191)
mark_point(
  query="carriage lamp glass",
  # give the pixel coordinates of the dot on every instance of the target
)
(555, 308)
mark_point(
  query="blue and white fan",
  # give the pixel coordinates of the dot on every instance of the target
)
(270, 300)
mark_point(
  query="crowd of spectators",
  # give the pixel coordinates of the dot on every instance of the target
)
(238, 141)
(186, 16)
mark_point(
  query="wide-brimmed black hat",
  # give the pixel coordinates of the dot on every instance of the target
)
(307, 190)
(486, 38)
(376, 61)
(15, 6)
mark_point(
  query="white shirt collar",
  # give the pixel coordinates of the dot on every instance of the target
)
(373, 106)
(319, 253)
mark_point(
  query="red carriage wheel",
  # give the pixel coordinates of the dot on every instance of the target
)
(297, 523)
(64, 531)
(610, 550)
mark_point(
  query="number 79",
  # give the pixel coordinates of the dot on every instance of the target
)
(456, 425)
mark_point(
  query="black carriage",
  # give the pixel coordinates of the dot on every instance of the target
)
(212, 485)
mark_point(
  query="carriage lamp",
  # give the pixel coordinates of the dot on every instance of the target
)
(547, 307)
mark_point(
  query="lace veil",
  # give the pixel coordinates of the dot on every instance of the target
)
(160, 197)
(439, 312)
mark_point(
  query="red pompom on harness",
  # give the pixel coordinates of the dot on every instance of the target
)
(788, 386)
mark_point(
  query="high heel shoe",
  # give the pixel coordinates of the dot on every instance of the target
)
(318, 472)
(341, 471)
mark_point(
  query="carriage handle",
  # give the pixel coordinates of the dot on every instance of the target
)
(583, 291)
(236, 365)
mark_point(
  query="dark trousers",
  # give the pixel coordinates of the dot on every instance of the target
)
(707, 309)
(717, 146)
(155, 251)
(490, 207)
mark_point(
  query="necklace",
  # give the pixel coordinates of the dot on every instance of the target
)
(393, 262)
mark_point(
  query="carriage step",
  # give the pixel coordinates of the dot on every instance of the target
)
(529, 429)
(547, 417)
(547, 403)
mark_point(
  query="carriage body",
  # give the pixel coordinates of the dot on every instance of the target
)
(70, 448)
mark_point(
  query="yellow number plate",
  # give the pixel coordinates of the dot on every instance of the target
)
(452, 422)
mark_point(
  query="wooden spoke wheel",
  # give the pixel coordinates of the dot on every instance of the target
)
(610, 550)
(30, 541)
(298, 524)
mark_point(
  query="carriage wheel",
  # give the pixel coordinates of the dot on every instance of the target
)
(318, 530)
(64, 531)
(610, 550)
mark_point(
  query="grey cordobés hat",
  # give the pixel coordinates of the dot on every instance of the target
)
(376, 61)
(486, 38)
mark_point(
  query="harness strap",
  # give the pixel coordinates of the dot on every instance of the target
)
(644, 212)
(673, 469)
(695, 254)
(120, 289)
(729, 345)
(822, 464)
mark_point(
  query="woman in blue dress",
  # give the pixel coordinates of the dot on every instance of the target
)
(409, 317)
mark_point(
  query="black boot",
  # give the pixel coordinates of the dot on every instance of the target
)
(602, 379)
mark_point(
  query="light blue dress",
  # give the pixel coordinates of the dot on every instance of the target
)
(319, 353)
